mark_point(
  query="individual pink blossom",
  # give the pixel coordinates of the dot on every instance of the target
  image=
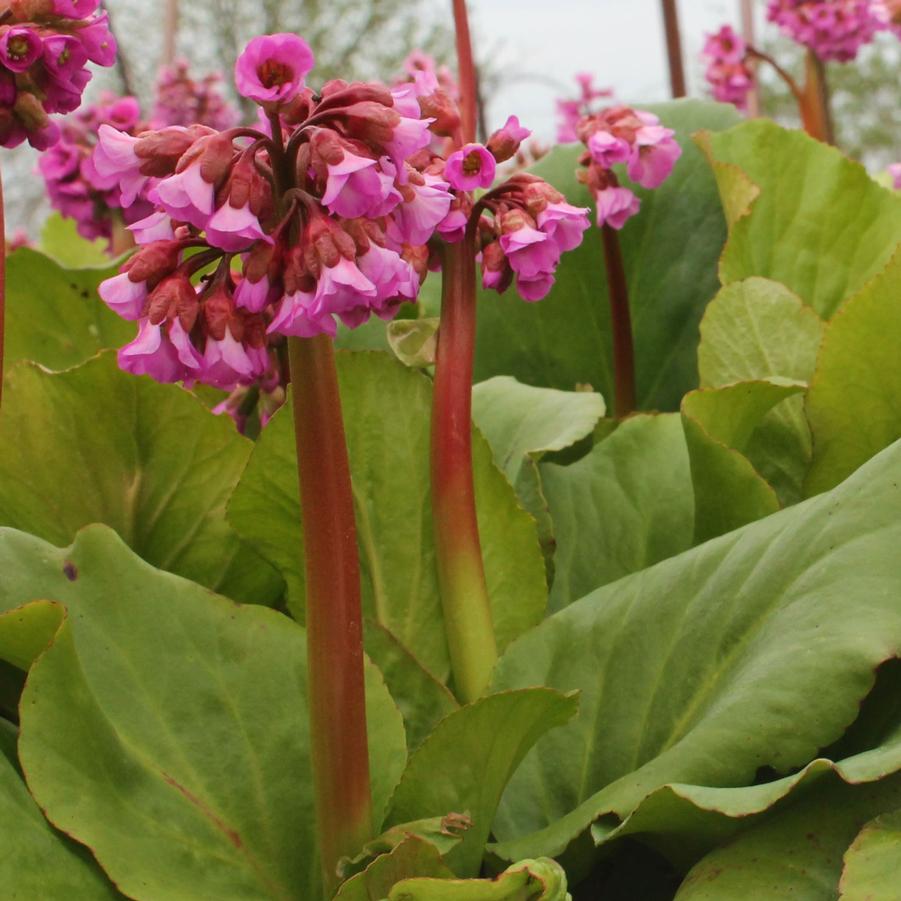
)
(186, 196)
(155, 227)
(226, 362)
(607, 150)
(564, 224)
(505, 142)
(616, 206)
(472, 166)
(273, 67)
(124, 296)
(20, 48)
(426, 203)
(728, 73)
(832, 29)
(360, 186)
(116, 156)
(655, 153)
(164, 352)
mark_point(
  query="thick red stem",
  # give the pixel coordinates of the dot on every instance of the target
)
(461, 573)
(621, 325)
(337, 697)
(674, 48)
(469, 91)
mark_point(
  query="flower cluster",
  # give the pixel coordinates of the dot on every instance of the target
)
(832, 29)
(631, 137)
(184, 100)
(571, 111)
(45, 46)
(74, 185)
(728, 72)
(334, 212)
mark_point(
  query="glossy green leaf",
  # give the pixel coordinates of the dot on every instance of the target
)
(872, 869)
(758, 329)
(54, 316)
(522, 424)
(529, 880)
(61, 241)
(387, 409)
(719, 424)
(797, 853)
(625, 506)
(670, 252)
(754, 649)
(854, 404)
(165, 727)
(36, 861)
(94, 444)
(818, 224)
(412, 857)
(464, 765)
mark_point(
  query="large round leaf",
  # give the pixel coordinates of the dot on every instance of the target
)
(670, 251)
(94, 444)
(166, 727)
(754, 649)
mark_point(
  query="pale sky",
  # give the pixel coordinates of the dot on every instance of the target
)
(542, 42)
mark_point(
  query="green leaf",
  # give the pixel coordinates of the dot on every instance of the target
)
(413, 856)
(758, 329)
(414, 341)
(873, 862)
(670, 252)
(35, 860)
(854, 404)
(623, 507)
(166, 727)
(54, 316)
(752, 650)
(387, 409)
(464, 765)
(819, 224)
(422, 699)
(95, 444)
(796, 853)
(719, 424)
(61, 241)
(522, 424)
(529, 880)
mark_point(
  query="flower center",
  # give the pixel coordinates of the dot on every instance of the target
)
(273, 73)
(472, 163)
(18, 47)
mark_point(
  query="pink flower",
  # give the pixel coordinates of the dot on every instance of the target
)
(299, 315)
(564, 224)
(833, 29)
(470, 167)
(232, 229)
(616, 206)
(343, 288)
(728, 73)
(504, 143)
(164, 352)
(894, 172)
(360, 186)
(272, 68)
(409, 136)
(536, 288)
(424, 207)
(20, 48)
(226, 362)
(186, 196)
(64, 56)
(394, 278)
(114, 156)
(98, 41)
(452, 227)
(253, 296)
(725, 46)
(530, 252)
(124, 296)
(607, 150)
(155, 227)
(656, 153)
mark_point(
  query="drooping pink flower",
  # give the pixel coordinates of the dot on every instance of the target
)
(564, 224)
(656, 152)
(616, 206)
(426, 203)
(728, 73)
(360, 186)
(164, 352)
(186, 196)
(124, 296)
(607, 150)
(272, 68)
(505, 142)
(155, 227)
(299, 315)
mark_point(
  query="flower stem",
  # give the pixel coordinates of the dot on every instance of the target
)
(461, 572)
(467, 72)
(621, 325)
(337, 700)
(674, 48)
(815, 112)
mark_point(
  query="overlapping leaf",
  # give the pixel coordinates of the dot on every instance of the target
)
(94, 444)
(752, 650)
(166, 727)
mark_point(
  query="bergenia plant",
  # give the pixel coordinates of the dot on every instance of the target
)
(524, 592)
(829, 30)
